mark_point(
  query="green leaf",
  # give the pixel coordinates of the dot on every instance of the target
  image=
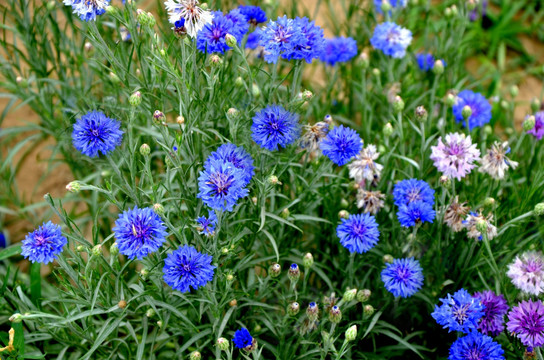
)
(35, 283)
(11, 251)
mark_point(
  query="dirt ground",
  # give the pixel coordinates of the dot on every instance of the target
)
(33, 179)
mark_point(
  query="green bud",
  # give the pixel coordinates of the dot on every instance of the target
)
(529, 123)
(447, 12)
(514, 91)
(195, 355)
(445, 181)
(488, 130)
(535, 105)
(398, 104)
(368, 310)
(307, 95)
(504, 104)
(50, 6)
(466, 112)
(450, 99)
(158, 117)
(114, 249)
(363, 60)
(481, 225)
(16, 318)
(386, 6)
(293, 308)
(230, 277)
(312, 311)
(438, 67)
(73, 186)
(274, 270)
(489, 202)
(110, 10)
(150, 313)
(344, 203)
(471, 5)
(421, 114)
(216, 60)
(363, 295)
(239, 82)
(80, 248)
(293, 273)
(224, 251)
(273, 180)
(204, 6)
(145, 150)
(159, 324)
(88, 47)
(144, 273)
(135, 99)
(351, 333)
(454, 10)
(233, 114)
(335, 315)
(539, 209)
(349, 295)
(97, 250)
(388, 130)
(343, 214)
(388, 259)
(114, 78)
(308, 260)
(222, 344)
(230, 40)
(376, 72)
(285, 213)
(255, 90)
(257, 328)
(158, 209)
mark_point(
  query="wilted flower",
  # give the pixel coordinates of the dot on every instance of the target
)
(364, 167)
(455, 215)
(455, 156)
(314, 134)
(495, 162)
(475, 220)
(527, 272)
(370, 201)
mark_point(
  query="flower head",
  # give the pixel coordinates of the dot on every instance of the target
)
(393, 3)
(338, 50)
(391, 39)
(492, 323)
(495, 162)
(237, 156)
(538, 130)
(211, 39)
(341, 144)
(96, 133)
(274, 126)
(460, 312)
(471, 224)
(242, 338)
(479, 106)
(240, 25)
(311, 44)
(206, 225)
(455, 215)
(425, 61)
(403, 277)
(314, 134)
(358, 233)
(412, 190)
(221, 184)
(280, 37)
(43, 244)
(415, 213)
(364, 167)
(88, 10)
(186, 267)
(253, 14)
(527, 272)
(476, 346)
(526, 321)
(455, 156)
(370, 201)
(253, 39)
(194, 18)
(139, 232)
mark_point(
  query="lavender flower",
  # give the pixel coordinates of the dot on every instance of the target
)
(455, 156)
(403, 277)
(526, 322)
(391, 39)
(495, 162)
(538, 130)
(460, 312)
(492, 323)
(364, 167)
(527, 272)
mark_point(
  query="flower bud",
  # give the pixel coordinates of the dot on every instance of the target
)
(110, 10)
(195, 355)
(312, 311)
(285, 213)
(122, 304)
(466, 112)
(454, 10)
(471, 5)
(16, 318)
(293, 308)
(349, 295)
(230, 40)
(344, 203)
(180, 120)
(254, 200)
(88, 47)
(368, 310)
(539, 209)
(363, 295)
(21, 81)
(239, 82)
(274, 270)
(145, 150)
(230, 277)
(376, 72)
(50, 5)
(514, 91)
(343, 214)
(489, 202)
(114, 78)
(80, 248)
(351, 333)
(450, 99)
(224, 251)
(504, 104)
(158, 209)
(255, 90)
(438, 67)
(363, 60)
(335, 315)
(398, 104)
(307, 95)
(216, 60)
(535, 105)
(273, 180)
(222, 344)
(233, 303)
(529, 123)
(97, 250)
(114, 249)
(488, 130)
(445, 181)
(158, 117)
(73, 186)
(159, 324)
(388, 130)
(308, 260)
(388, 259)
(421, 114)
(135, 99)
(150, 313)
(386, 6)
(144, 273)
(294, 273)
(481, 225)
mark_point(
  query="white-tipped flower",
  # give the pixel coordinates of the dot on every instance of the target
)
(195, 17)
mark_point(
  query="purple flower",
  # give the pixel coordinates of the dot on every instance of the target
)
(44, 244)
(415, 213)
(339, 49)
(455, 156)
(481, 109)
(492, 323)
(526, 321)
(538, 130)
(527, 272)
(359, 233)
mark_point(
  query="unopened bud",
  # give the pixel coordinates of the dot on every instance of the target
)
(230, 277)
(489, 202)
(110, 10)
(145, 150)
(73, 186)
(222, 344)
(88, 46)
(80, 248)
(504, 104)
(535, 105)
(343, 214)
(293, 308)
(16, 318)
(50, 5)
(144, 273)
(97, 250)
(335, 315)
(285, 213)
(114, 78)
(539, 209)
(294, 273)
(135, 99)
(363, 295)
(239, 82)
(344, 203)
(398, 104)
(307, 95)
(466, 112)
(349, 295)
(224, 251)
(386, 6)
(180, 120)
(273, 180)
(159, 324)
(351, 333)
(421, 114)
(445, 181)
(388, 259)
(388, 130)
(312, 311)
(233, 303)
(363, 60)
(450, 99)
(481, 225)
(529, 123)
(114, 249)
(255, 90)
(230, 40)
(438, 67)
(368, 310)
(158, 117)
(122, 304)
(216, 60)
(488, 130)
(514, 91)
(308, 260)
(21, 81)
(274, 270)
(471, 5)
(376, 72)
(254, 200)
(195, 355)
(158, 209)
(150, 313)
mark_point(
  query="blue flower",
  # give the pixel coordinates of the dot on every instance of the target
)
(253, 14)
(476, 346)
(340, 49)
(206, 225)
(139, 232)
(312, 44)
(221, 184)
(280, 36)
(481, 109)
(186, 267)
(94, 132)
(415, 213)
(88, 10)
(460, 312)
(425, 61)
(274, 126)
(341, 144)
(412, 190)
(393, 3)
(44, 244)
(242, 338)
(237, 156)
(391, 39)
(253, 39)
(358, 233)
(211, 39)
(403, 277)
(240, 26)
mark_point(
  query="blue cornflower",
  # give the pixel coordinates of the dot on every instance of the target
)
(211, 39)
(253, 14)
(280, 36)
(139, 232)
(358, 233)
(476, 346)
(393, 3)
(94, 132)
(460, 312)
(240, 26)
(206, 225)
(312, 44)
(253, 39)
(186, 267)
(44, 244)
(341, 144)
(88, 10)
(412, 190)
(237, 156)
(274, 126)
(403, 277)
(339, 49)
(425, 61)
(221, 184)
(415, 213)
(481, 109)
(391, 39)
(242, 338)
